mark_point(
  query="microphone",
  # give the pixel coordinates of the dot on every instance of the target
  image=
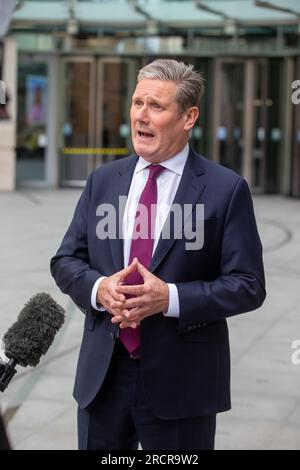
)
(31, 335)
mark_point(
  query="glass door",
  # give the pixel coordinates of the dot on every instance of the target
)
(78, 117)
(228, 125)
(247, 119)
(95, 106)
(32, 120)
(115, 85)
(267, 129)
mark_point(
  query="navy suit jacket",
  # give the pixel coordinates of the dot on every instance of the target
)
(185, 361)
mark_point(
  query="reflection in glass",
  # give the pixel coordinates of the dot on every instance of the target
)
(32, 121)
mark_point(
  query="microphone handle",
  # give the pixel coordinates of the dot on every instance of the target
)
(7, 371)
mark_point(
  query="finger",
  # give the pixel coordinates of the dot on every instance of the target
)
(133, 290)
(141, 269)
(112, 295)
(126, 271)
(130, 303)
(136, 320)
(119, 312)
(127, 324)
(136, 313)
(122, 313)
(117, 296)
(108, 295)
(118, 319)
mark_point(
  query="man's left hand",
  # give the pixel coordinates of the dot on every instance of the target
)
(150, 298)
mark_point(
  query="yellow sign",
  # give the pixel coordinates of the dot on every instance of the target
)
(94, 151)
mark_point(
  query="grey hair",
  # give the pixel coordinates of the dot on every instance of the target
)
(190, 83)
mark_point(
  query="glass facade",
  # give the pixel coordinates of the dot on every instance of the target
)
(32, 120)
(295, 167)
(249, 56)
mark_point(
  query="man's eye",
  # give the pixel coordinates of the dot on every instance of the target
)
(156, 106)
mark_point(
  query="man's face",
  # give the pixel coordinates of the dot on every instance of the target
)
(159, 130)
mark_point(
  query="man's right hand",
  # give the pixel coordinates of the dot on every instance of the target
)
(107, 292)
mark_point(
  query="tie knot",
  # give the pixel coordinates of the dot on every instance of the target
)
(155, 171)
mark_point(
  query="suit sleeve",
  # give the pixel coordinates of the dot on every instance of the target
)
(70, 266)
(241, 285)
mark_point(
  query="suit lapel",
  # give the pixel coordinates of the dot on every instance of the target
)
(121, 184)
(189, 191)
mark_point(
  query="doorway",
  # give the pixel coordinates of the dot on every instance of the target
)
(247, 123)
(32, 120)
(95, 107)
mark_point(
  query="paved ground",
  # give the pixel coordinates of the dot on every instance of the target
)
(38, 404)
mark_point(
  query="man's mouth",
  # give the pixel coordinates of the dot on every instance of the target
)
(147, 135)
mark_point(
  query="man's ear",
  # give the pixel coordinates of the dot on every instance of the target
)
(191, 116)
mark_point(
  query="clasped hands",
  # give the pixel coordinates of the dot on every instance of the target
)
(149, 298)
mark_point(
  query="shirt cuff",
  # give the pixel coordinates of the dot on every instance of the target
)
(94, 295)
(173, 310)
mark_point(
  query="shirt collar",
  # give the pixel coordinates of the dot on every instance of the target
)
(175, 164)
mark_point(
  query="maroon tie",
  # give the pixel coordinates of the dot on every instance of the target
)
(142, 247)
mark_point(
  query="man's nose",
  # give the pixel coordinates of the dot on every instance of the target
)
(143, 114)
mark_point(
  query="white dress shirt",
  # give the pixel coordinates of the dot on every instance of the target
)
(167, 184)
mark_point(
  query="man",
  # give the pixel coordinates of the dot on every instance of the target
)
(154, 361)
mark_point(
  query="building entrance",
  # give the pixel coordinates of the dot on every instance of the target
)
(95, 108)
(241, 122)
(248, 125)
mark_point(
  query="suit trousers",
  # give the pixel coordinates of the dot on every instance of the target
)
(119, 418)
(4, 444)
